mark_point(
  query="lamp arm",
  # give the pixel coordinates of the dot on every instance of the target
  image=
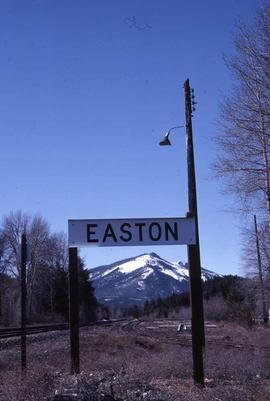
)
(179, 126)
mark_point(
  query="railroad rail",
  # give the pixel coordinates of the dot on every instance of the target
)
(16, 331)
(9, 332)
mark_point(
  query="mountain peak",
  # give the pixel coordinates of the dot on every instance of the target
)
(144, 277)
(154, 255)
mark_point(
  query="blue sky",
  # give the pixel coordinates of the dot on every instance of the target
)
(87, 90)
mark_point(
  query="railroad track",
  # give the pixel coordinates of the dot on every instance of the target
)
(36, 329)
(154, 330)
(16, 331)
(161, 334)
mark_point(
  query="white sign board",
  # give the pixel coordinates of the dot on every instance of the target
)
(131, 232)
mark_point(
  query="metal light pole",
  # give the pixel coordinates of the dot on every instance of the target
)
(194, 260)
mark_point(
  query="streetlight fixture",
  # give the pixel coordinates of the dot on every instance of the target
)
(196, 299)
(165, 141)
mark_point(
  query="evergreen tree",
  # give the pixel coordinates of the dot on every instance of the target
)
(87, 300)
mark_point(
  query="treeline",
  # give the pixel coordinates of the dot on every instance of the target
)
(225, 298)
(159, 308)
(46, 275)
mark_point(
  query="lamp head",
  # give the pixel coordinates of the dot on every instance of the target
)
(165, 141)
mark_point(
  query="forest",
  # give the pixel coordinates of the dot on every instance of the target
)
(46, 275)
(227, 298)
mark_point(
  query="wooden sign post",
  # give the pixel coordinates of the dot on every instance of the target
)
(74, 311)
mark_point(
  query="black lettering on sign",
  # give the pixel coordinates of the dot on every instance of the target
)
(154, 228)
(172, 231)
(125, 231)
(89, 233)
(140, 225)
(109, 233)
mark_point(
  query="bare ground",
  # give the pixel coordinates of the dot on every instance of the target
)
(139, 360)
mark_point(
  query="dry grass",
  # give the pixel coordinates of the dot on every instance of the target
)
(134, 362)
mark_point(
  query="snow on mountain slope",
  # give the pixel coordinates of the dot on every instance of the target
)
(142, 278)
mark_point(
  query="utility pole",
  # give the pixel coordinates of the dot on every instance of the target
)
(265, 317)
(194, 260)
(23, 300)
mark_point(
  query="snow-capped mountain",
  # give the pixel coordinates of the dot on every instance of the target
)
(145, 277)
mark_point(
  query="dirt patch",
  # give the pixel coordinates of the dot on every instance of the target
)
(139, 360)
